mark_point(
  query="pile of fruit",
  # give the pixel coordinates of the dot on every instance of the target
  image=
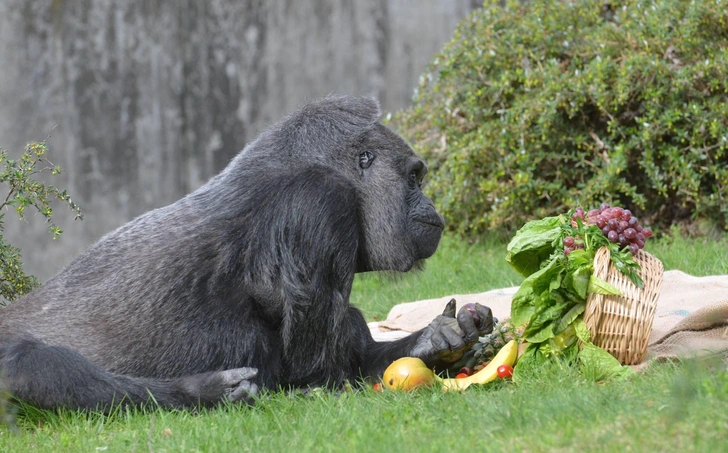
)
(555, 255)
(408, 373)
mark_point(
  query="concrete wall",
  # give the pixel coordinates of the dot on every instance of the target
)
(149, 98)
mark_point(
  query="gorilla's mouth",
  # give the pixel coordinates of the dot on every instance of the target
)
(436, 222)
(427, 239)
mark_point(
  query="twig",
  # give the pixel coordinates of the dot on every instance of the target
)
(598, 141)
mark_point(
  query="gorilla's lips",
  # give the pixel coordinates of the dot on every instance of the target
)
(437, 223)
(432, 219)
(429, 231)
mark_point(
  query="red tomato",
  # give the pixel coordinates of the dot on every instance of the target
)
(466, 370)
(377, 387)
(505, 371)
(462, 375)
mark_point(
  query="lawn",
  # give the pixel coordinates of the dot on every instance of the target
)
(669, 407)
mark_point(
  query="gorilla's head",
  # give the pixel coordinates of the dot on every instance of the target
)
(398, 225)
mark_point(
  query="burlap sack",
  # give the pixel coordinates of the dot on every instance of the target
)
(702, 332)
(691, 317)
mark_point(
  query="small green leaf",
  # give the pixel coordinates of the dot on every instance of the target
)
(599, 286)
(582, 331)
(570, 317)
(581, 278)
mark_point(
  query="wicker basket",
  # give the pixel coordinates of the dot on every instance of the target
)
(621, 325)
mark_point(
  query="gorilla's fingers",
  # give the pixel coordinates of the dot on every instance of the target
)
(450, 309)
(454, 338)
(486, 319)
(438, 342)
(211, 387)
(234, 376)
(466, 320)
(447, 340)
(246, 391)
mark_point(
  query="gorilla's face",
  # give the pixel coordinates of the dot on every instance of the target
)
(400, 225)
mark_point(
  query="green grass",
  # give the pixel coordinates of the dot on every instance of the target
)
(666, 408)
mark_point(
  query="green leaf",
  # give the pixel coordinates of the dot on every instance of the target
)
(581, 278)
(542, 280)
(544, 320)
(581, 258)
(570, 317)
(582, 331)
(522, 304)
(524, 301)
(599, 286)
(636, 279)
(533, 244)
(561, 342)
(599, 365)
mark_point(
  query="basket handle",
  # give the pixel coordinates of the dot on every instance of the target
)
(593, 311)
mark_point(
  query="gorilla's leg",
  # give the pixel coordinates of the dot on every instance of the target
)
(52, 376)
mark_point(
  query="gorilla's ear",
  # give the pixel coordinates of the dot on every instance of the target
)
(329, 123)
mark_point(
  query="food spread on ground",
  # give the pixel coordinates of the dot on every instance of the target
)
(555, 255)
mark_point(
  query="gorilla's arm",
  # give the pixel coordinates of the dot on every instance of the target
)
(325, 340)
(439, 344)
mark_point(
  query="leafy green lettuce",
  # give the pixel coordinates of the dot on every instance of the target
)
(552, 298)
(532, 244)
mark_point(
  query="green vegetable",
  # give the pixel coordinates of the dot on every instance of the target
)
(552, 298)
(599, 365)
(532, 244)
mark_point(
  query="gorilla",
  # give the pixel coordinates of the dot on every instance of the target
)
(243, 284)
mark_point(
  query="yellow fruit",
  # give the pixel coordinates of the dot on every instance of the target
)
(407, 373)
(506, 356)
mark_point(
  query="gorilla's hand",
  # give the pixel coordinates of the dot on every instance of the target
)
(447, 338)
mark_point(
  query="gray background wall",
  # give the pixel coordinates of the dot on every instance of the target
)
(150, 98)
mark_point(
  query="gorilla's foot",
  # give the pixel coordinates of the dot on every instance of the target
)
(232, 385)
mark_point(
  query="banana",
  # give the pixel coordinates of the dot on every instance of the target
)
(506, 356)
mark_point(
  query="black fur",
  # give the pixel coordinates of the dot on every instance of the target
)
(243, 283)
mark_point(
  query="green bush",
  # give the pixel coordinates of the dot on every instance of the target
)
(536, 107)
(24, 191)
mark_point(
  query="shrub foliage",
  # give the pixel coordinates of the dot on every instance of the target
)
(23, 190)
(536, 107)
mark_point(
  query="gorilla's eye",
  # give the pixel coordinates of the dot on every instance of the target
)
(365, 159)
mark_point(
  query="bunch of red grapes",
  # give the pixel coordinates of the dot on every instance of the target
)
(617, 224)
